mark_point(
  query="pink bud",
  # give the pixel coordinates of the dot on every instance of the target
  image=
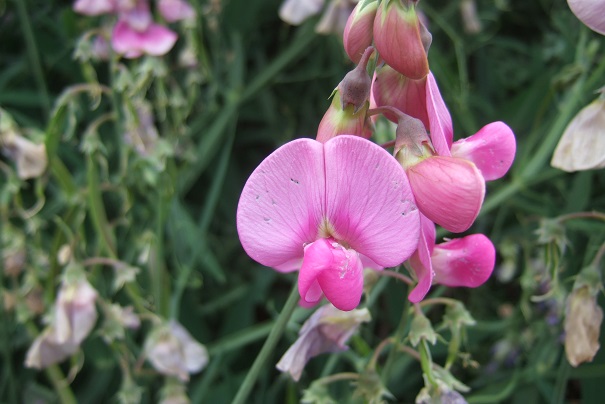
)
(398, 37)
(338, 121)
(492, 149)
(448, 190)
(467, 261)
(390, 88)
(358, 31)
(172, 351)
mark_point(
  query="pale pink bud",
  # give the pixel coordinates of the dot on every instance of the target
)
(448, 190)
(590, 12)
(45, 351)
(175, 10)
(390, 88)
(75, 312)
(583, 141)
(492, 149)
(327, 330)
(357, 34)
(172, 351)
(74, 317)
(470, 19)
(467, 261)
(400, 40)
(94, 7)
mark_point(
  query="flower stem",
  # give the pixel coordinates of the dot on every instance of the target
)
(268, 346)
(399, 334)
(32, 51)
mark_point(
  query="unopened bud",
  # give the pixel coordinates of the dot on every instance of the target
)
(358, 31)
(399, 40)
(355, 87)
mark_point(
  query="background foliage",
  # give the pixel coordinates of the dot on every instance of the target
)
(259, 83)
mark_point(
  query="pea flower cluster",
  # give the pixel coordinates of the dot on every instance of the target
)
(135, 32)
(333, 206)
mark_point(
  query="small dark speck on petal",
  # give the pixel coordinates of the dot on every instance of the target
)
(294, 181)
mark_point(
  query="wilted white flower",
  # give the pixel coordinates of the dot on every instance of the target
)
(583, 319)
(74, 316)
(327, 330)
(582, 144)
(30, 157)
(333, 20)
(173, 351)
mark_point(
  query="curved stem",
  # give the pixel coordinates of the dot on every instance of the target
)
(392, 274)
(267, 349)
(581, 215)
(337, 377)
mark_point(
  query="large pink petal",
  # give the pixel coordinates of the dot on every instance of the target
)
(125, 40)
(440, 120)
(467, 261)
(492, 149)
(280, 209)
(336, 269)
(369, 203)
(421, 260)
(448, 190)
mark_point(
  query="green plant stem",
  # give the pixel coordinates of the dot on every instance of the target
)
(267, 349)
(399, 334)
(32, 53)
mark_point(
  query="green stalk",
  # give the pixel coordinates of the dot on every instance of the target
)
(32, 53)
(399, 334)
(267, 349)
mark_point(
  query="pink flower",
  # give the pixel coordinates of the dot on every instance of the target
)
(155, 40)
(401, 39)
(175, 10)
(467, 261)
(492, 149)
(94, 7)
(329, 210)
(327, 330)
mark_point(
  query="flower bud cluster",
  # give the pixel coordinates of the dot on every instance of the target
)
(135, 33)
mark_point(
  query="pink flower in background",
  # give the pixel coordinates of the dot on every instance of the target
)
(94, 7)
(155, 40)
(175, 10)
(329, 210)
(136, 33)
(327, 330)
